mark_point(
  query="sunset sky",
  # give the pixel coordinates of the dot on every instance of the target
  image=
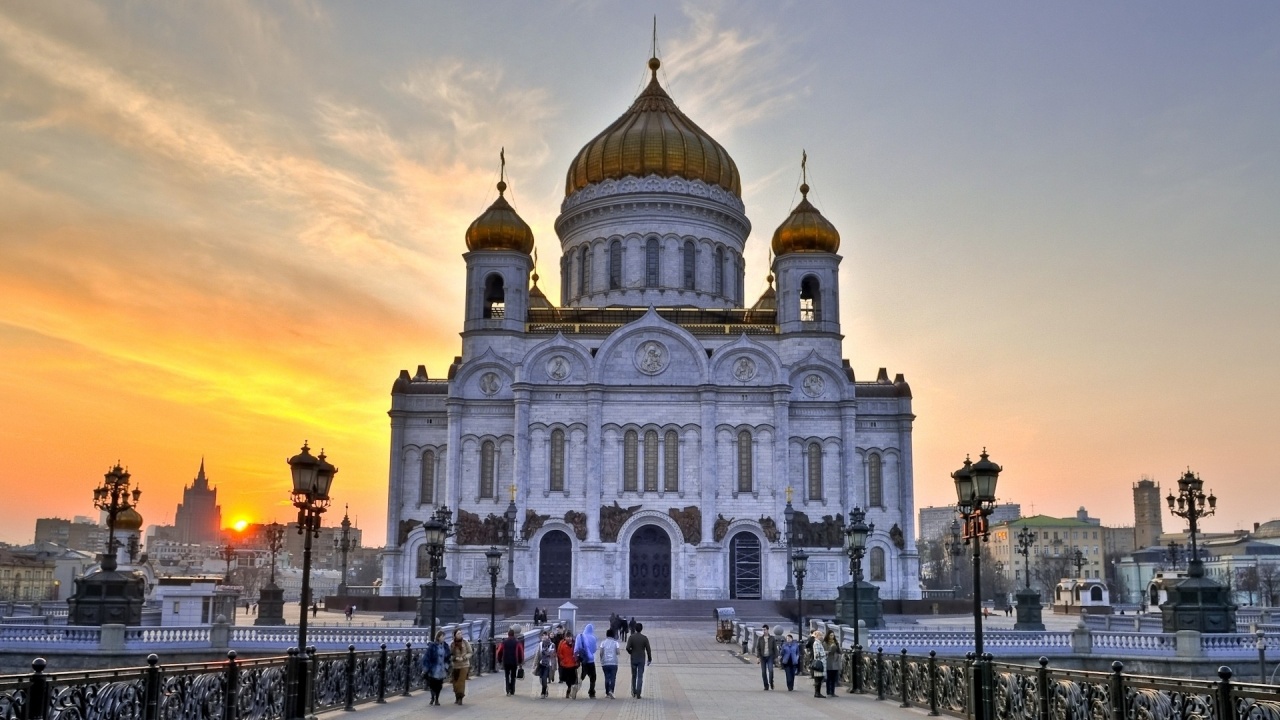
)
(226, 226)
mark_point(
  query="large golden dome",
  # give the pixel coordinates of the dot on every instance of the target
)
(500, 228)
(129, 519)
(653, 138)
(805, 230)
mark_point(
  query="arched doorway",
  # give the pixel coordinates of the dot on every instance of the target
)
(744, 567)
(650, 563)
(555, 565)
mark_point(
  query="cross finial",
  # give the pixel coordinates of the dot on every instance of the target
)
(513, 492)
(789, 494)
(654, 51)
(502, 170)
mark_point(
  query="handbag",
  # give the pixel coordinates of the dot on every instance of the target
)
(520, 673)
(816, 667)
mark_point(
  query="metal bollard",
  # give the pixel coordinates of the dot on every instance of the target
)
(1117, 690)
(880, 674)
(902, 678)
(382, 673)
(229, 705)
(1223, 693)
(38, 695)
(408, 668)
(350, 699)
(933, 683)
(1042, 688)
(151, 690)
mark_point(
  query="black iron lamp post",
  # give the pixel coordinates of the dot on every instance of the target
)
(955, 550)
(271, 597)
(975, 499)
(788, 522)
(1174, 551)
(437, 529)
(855, 544)
(1026, 538)
(113, 497)
(493, 562)
(800, 566)
(510, 590)
(343, 544)
(1189, 504)
(1029, 610)
(1196, 602)
(1077, 559)
(312, 478)
(228, 555)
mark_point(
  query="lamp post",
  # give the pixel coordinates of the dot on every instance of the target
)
(275, 541)
(228, 554)
(788, 522)
(855, 544)
(510, 590)
(800, 566)
(1174, 549)
(1189, 504)
(955, 550)
(312, 478)
(1196, 602)
(437, 529)
(975, 499)
(1077, 559)
(998, 581)
(113, 497)
(493, 561)
(1026, 537)
(343, 545)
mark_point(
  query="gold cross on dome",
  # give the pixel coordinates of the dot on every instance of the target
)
(789, 493)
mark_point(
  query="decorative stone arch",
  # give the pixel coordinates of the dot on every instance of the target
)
(469, 378)
(835, 386)
(533, 368)
(628, 531)
(768, 366)
(651, 324)
(751, 527)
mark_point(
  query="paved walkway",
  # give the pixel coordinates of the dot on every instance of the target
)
(692, 676)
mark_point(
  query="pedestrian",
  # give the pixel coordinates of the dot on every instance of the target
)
(584, 651)
(460, 663)
(546, 663)
(817, 665)
(511, 654)
(435, 665)
(609, 661)
(351, 610)
(789, 658)
(834, 657)
(315, 610)
(641, 656)
(766, 653)
(568, 667)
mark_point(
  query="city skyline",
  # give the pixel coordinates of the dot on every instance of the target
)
(225, 229)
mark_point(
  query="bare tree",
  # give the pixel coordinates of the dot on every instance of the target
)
(1269, 581)
(1247, 581)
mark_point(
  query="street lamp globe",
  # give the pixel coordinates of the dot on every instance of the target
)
(855, 536)
(303, 468)
(493, 558)
(985, 473)
(800, 561)
(964, 484)
(435, 534)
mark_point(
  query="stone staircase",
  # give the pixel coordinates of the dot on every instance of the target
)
(663, 610)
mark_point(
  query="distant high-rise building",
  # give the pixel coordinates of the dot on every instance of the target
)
(199, 517)
(935, 522)
(80, 534)
(1146, 513)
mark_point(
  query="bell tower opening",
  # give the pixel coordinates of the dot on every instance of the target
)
(810, 299)
(495, 298)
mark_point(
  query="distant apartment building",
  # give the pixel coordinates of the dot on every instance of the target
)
(935, 522)
(1053, 551)
(78, 534)
(199, 517)
(26, 578)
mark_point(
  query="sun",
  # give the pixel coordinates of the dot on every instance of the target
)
(240, 525)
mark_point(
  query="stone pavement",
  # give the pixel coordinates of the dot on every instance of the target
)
(692, 676)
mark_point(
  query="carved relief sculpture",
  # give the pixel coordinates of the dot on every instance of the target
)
(689, 520)
(612, 518)
(828, 534)
(533, 522)
(770, 528)
(406, 527)
(578, 521)
(721, 528)
(895, 534)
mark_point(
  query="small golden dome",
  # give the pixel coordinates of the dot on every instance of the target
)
(128, 519)
(500, 228)
(805, 230)
(653, 138)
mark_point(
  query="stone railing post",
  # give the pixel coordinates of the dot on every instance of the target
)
(1081, 640)
(382, 674)
(1189, 645)
(880, 674)
(1226, 708)
(350, 703)
(902, 677)
(219, 634)
(408, 668)
(232, 685)
(111, 638)
(151, 689)
(933, 683)
(38, 693)
(1042, 688)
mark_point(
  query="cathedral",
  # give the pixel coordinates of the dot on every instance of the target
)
(650, 430)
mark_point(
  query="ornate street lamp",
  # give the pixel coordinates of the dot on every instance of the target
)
(1026, 538)
(344, 545)
(114, 497)
(1174, 551)
(312, 478)
(228, 554)
(1077, 559)
(800, 566)
(955, 550)
(1196, 602)
(788, 523)
(1190, 505)
(975, 499)
(493, 562)
(855, 545)
(436, 529)
(271, 597)
(510, 590)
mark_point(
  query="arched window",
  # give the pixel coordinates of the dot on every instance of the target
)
(584, 274)
(651, 461)
(671, 462)
(745, 474)
(424, 562)
(494, 297)
(719, 271)
(1095, 594)
(877, 564)
(427, 483)
(810, 300)
(629, 442)
(615, 265)
(742, 271)
(564, 279)
(875, 481)
(556, 483)
(651, 263)
(815, 471)
(486, 469)
(690, 273)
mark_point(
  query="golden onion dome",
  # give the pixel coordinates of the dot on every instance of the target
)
(653, 138)
(805, 230)
(500, 228)
(128, 519)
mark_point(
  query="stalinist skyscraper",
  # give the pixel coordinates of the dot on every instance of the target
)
(199, 517)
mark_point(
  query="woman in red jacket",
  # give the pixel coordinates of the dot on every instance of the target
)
(568, 667)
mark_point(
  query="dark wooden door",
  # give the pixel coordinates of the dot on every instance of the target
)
(555, 565)
(650, 563)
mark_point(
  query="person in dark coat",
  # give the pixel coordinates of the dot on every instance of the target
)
(511, 655)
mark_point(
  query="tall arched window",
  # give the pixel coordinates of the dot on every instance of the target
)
(486, 469)
(495, 301)
(877, 564)
(564, 279)
(738, 280)
(615, 265)
(745, 474)
(651, 263)
(424, 562)
(814, 463)
(584, 274)
(556, 483)
(690, 272)
(651, 461)
(810, 300)
(671, 462)
(875, 481)
(427, 483)
(719, 271)
(629, 442)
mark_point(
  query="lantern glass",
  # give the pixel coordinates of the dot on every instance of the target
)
(493, 557)
(800, 561)
(964, 485)
(434, 532)
(303, 466)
